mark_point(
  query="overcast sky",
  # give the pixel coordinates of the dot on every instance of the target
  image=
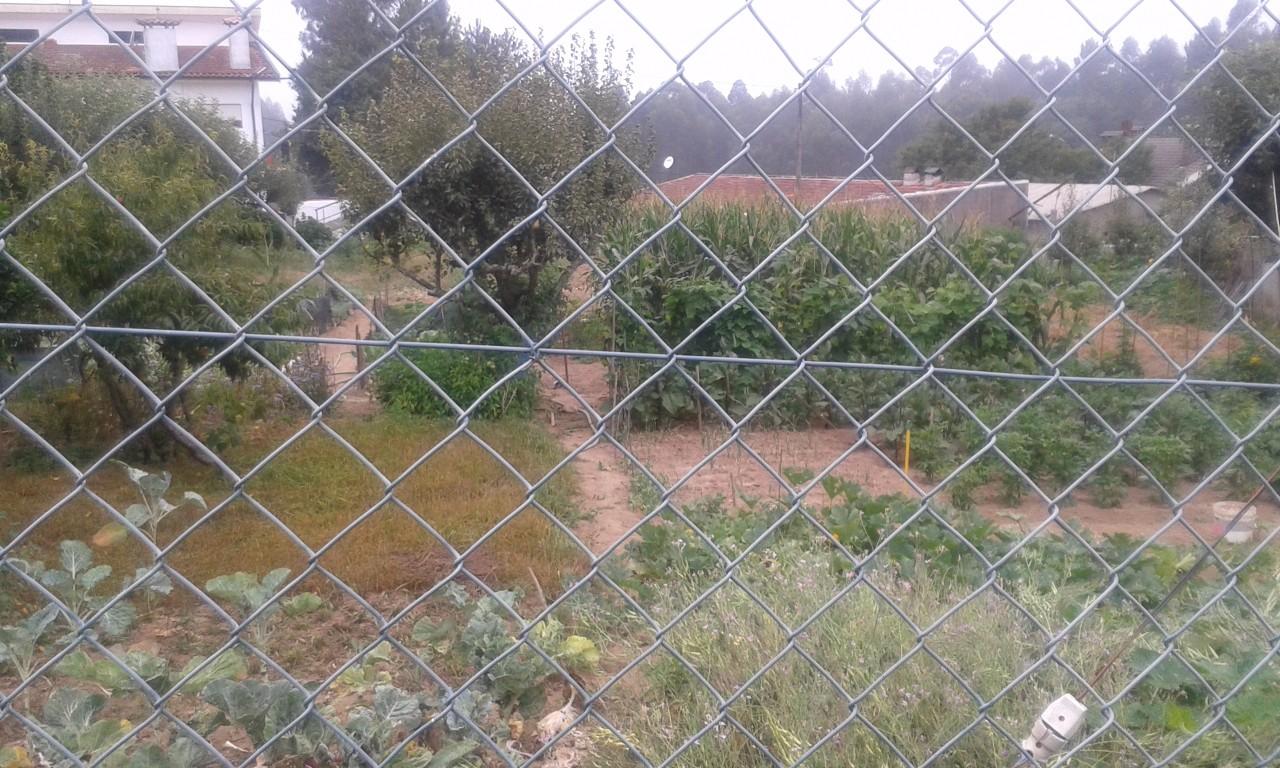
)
(916, 30)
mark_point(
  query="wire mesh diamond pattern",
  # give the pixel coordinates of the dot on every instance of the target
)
(545, 453)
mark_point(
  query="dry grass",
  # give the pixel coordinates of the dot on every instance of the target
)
(316, 488)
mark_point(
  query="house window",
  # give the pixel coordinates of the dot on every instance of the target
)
(130, 36)
(233, 113)
(18, 35)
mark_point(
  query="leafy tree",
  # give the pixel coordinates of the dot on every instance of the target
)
(275, 123)
(683, 128)
(283, 187)
(339, 38)
(1036, 153)
(79, 245)
(468, 195)
(1230, 122)
(1164, 65)
(1102, 95)
(17, 182)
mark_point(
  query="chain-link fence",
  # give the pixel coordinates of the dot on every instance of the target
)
(544, 456)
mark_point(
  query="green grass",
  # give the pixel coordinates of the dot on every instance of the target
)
(868, 652)
(1176, 297)
(918, 707)
(316, 488)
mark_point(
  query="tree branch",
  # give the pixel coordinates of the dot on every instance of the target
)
(434, 289)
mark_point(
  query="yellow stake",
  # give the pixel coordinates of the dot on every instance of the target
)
(906, 462)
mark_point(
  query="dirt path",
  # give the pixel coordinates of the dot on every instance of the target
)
(603, 474)
(343, 363)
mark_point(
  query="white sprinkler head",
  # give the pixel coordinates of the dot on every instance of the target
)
(1057, 724)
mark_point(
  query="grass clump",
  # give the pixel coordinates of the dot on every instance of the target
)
(916, 644)
(465, 377)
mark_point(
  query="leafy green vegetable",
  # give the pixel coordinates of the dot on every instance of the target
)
(229, 665)
(20, 642)
(69, 716)
(76, 584)
(153, 670)
(377, 729)
(579, 653)
(264, 711)
(303, 604)
(180, 753)
(154, 507)
(247, 594)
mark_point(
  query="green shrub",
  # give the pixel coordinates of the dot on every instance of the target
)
(1249, 362)
(221, 407)
(317, 235)
(283, 186)
(676, 288)
(930, 452)
(464, 376)
(964, 486)
(310, 371)
(1108, 485)
(1167, 457)
(76, 419)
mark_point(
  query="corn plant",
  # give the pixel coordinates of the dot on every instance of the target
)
(806, 293)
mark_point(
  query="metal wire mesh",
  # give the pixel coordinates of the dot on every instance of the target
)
(542, 353)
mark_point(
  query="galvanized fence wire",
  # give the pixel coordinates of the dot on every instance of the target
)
(537, 356)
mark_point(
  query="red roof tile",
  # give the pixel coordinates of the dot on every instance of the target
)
(111, 59)
(742, 188)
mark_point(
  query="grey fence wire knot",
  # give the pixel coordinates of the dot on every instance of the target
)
(407, 682)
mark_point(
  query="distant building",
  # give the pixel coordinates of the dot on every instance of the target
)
(1094, 206)
(327, 211)
(166, 38)
(1174, 162)
(990, 204)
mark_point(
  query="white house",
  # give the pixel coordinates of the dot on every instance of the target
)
(166, 37)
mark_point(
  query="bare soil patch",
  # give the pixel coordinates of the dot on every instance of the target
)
(734, 474)
(1180, 342)
(737, 476)
(602, 473)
